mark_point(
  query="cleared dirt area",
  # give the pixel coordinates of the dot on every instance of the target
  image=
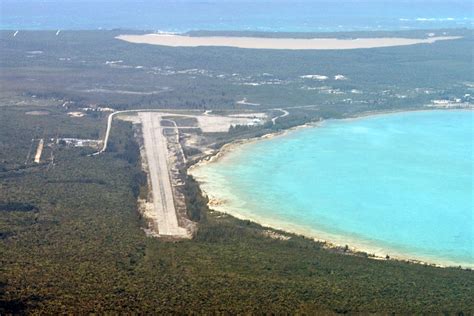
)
(208, 123)
(221, 124)
(164, 212)
(39, 151)
(37, 113)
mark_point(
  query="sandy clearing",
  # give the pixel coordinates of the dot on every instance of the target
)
(220, 124)
(277, 43)
(76, 114)
(97, 90)
(249, 115)
(37, 113)
(209, 123)
(157, 157)
(39, 151)
(244, 101)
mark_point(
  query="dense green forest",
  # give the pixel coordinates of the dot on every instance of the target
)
(92, 67)
(71, 241)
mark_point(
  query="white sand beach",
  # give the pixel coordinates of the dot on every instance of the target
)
(278, 43)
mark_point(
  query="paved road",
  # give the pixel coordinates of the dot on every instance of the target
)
(157, 157)
(285, 113)
(111, 118)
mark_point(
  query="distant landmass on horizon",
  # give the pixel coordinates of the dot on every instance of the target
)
(273, 16)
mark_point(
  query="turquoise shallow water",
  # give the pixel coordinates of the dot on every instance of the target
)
(398, 184)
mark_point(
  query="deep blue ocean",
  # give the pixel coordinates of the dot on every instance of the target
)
(268, 15)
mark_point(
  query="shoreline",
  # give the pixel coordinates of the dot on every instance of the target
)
(331, 241)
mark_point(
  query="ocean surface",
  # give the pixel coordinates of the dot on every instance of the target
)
(256, 15)
(398, 184)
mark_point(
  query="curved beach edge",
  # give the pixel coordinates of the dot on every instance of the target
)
(219, 204)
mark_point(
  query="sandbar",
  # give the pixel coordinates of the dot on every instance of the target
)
(278, 43)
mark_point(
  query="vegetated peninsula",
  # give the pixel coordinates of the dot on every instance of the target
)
(82, 229)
